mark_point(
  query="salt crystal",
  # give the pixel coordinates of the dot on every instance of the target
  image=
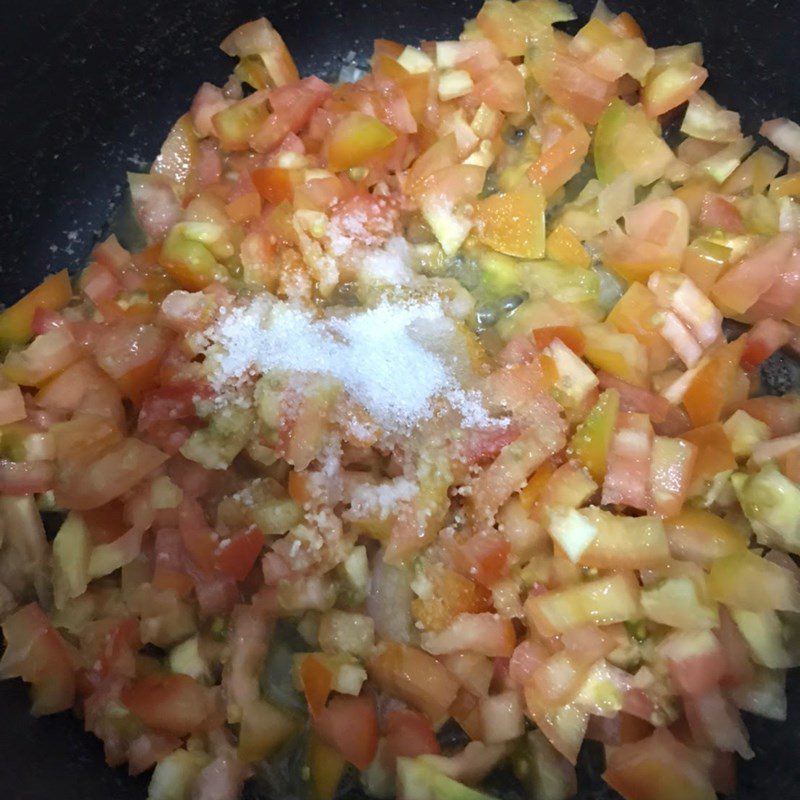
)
(389, 265)
(382, 499)
(372, 352)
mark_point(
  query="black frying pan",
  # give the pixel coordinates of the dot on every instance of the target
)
(89, 89)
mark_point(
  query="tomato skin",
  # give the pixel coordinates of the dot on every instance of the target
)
(350, 724)
(175, 704)
(408, 734)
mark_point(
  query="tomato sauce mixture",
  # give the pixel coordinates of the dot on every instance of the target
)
(415, 413)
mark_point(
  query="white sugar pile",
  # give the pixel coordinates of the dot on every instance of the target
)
(374, 353)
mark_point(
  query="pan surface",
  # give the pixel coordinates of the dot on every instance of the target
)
(88, 90)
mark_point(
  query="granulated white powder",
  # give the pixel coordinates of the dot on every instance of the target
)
(382, 499)
(372, 352)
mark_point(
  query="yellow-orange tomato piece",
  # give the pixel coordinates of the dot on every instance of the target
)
(635, 313)
(713, 386)
(453, 594)
(714, 452)
(325, 766)
(699, 535)
(593, 436)
(355, 139)
(564, 246)
(513, 223)
(561, 161)
(274, 184)
(53, 293)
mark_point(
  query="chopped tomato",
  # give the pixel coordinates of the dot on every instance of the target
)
(15, 322)
(560, 161)
(408, 734)
(37, 653)
(172, 703)
(658, 768)
(415, 677)
(627, 479)
(483, 557)
(763, 339)
(274, 184)
(714, 453)
(198, 538)
(572, 337)
(316, 680)
(350, 724)
(714, 385)
(453, 594)
(741, 286)
(80, 486)
(513, 223)
(486, 633)
(237, 556)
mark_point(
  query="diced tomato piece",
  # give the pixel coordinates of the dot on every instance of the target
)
(172, 703)
(483, 557)
(658, 768)
(635, 398)
(197, 536)
(36, 652)
(80, 486)
(560, 161)
(627, 479)
(782, 414)
(131, 354)
(503, 89)
(350, 724)
(408, 734)
(715, 721)
(573, 87)
(742, 285)
(292, 105)
(316, 680)
(53, 293)
(237, 556)
(274, 184)
(84, 388)
(415, 677)
(717, 212)
(572, 337)
(175, 401)
(763, 339)
(488, 634)
(480, 446)
(525, 660)
(715, 384)
(696, 660)
(714, 453)
(453, 594)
